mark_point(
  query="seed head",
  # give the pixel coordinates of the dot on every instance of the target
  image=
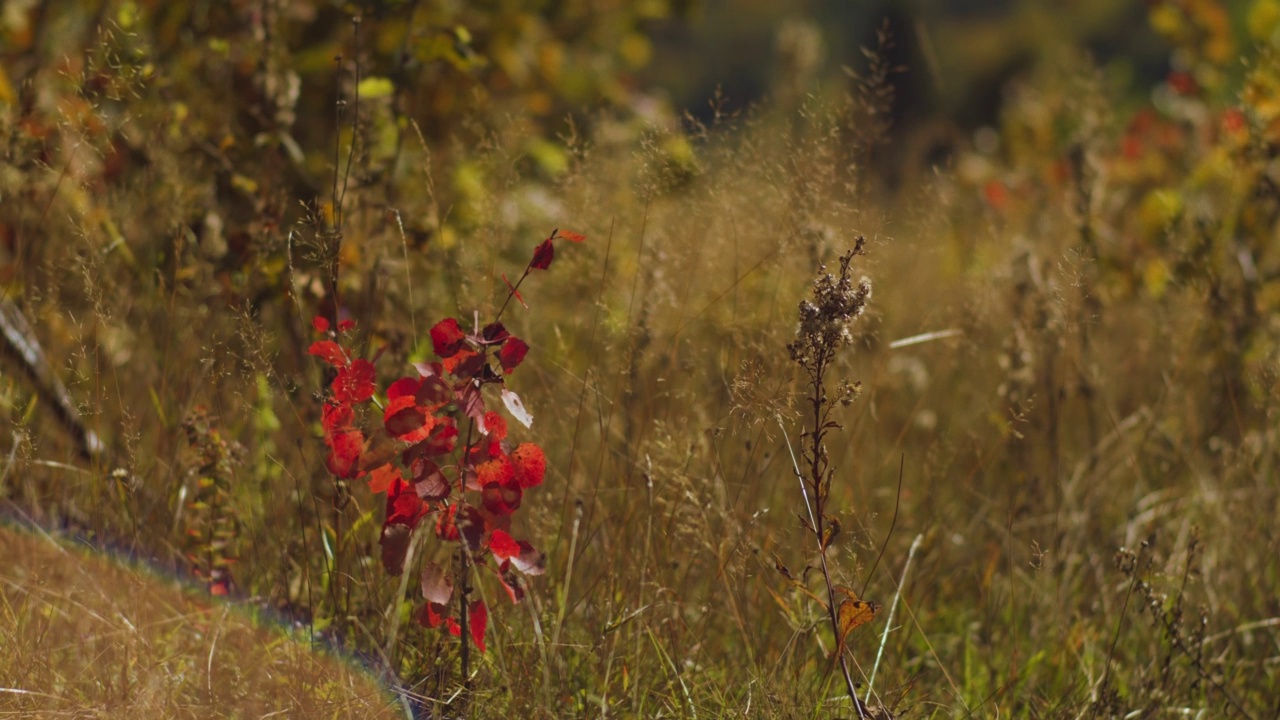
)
(826, 318)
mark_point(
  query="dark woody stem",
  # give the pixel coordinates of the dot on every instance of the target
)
(818, 468)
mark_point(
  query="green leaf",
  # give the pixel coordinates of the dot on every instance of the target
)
(375, 87)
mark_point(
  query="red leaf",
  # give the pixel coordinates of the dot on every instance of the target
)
(471, 402)
(454, 628)
(345, 447)
(404, 506)
(446, 528)
(437, 586)
(406, 423)
(431, 615)
(378, 450)
(512, 353)
(501, 499)
(428, 481)
(479, 621)
(345, 325)
(454, 525)
(335, 417)
(465, 364)
(429, 369)
(402, 387)
(354, 384)
(511, 584)
(395, 545)
(494, 426)
(329, 351)
(530, 465)
(503, 546)
(447, 338)
(381, 479)
(543, 255)
(494, 333)
(434, 393)
(570, 236)
(444, 435)
(497, 469)
(529, 561)
(320, 323)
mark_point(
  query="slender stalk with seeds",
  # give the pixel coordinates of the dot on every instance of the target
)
(823, 330)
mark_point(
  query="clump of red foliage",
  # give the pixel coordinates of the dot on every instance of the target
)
(441, 452)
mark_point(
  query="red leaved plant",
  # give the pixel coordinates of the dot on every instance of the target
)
(441, 453)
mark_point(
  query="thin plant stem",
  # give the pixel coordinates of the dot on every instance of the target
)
(893, 608)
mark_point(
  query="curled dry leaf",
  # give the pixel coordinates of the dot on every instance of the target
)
(783, 569)
(830, 532)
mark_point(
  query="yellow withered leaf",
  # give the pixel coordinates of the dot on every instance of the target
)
(853, 613)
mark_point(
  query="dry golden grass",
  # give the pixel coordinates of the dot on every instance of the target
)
(83, 636)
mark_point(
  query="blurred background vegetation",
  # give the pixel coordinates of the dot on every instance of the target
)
(1080, 196)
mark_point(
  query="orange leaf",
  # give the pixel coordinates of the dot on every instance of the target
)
(853, 613)
(380, 479)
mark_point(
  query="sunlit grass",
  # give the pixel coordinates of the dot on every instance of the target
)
(84, 636)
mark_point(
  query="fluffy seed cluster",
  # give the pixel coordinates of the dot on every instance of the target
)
(825, 319)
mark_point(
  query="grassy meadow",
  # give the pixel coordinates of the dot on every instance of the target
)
(1058, 477)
